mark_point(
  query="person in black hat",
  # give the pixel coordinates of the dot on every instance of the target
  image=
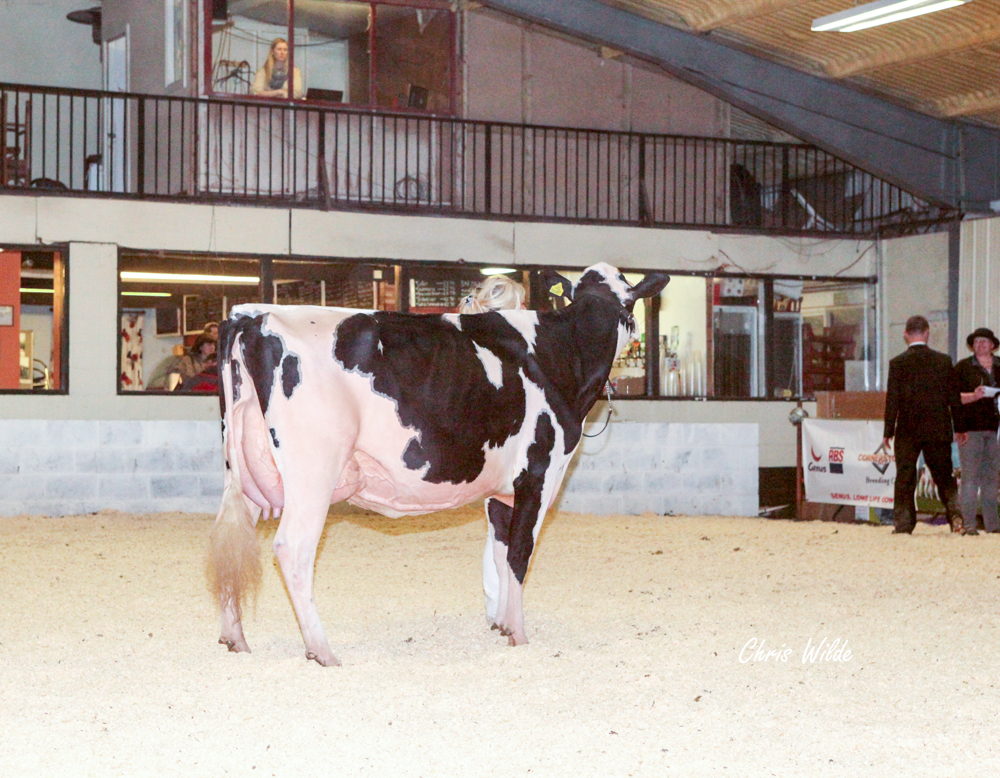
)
(980, 454)
(923, 413)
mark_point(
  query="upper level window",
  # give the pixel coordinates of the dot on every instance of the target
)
(395, 55)
(33, 321)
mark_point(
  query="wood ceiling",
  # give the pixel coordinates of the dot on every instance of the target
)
(944, 64)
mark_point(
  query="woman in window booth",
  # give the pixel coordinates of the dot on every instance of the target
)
(272, 79)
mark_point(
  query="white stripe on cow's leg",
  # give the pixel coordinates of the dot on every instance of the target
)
(295, 546)
(495, 558)
(491, 580)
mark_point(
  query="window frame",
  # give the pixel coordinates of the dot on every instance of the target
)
(369, 103)
(60, 315)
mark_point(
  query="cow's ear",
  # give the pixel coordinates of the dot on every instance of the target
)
(557, 285)
(650, 286)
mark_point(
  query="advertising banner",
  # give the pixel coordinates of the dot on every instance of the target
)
(843, 462)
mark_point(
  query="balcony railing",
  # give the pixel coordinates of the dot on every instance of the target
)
(144, 146)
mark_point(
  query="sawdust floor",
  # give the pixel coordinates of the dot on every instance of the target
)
(640, 661)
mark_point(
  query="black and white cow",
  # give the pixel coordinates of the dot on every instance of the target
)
(405, 414)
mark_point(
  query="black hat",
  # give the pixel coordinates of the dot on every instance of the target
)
(983, 332)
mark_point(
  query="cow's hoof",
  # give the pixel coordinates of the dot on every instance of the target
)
(235, 646)
(329, 660)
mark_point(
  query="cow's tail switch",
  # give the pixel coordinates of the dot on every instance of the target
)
(234, 562)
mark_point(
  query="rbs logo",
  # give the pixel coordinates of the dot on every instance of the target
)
(836, 460)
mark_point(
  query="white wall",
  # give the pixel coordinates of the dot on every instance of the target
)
(914, 281)
(517, 72)
(42, 47)
(979, 285)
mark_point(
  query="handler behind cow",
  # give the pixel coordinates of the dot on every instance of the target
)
(404, 414)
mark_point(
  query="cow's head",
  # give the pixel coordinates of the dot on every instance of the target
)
(607, 283)
(603, 280)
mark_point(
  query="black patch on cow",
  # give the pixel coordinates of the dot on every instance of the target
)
(262, 354)
(499, 515)
(274, 437)
(289, 374)
(528, 507)
(431, 370)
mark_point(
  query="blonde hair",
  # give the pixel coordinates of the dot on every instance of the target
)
(269, 62)
(496, 293)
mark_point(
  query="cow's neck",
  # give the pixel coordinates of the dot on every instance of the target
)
(579, 345)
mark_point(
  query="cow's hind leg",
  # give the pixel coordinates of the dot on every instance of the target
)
(295, 546)
(232, 624)
(234, 561)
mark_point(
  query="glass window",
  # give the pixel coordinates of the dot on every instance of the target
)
(369, 286)
(838, 337)
(772, 338)
(386, 55)
(683, 329)
(33, 321)
(167, 306)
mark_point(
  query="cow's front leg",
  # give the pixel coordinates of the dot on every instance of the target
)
(532, 494)
(495, 559)
(295, 546)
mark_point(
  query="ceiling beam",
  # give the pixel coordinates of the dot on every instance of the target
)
(728, 12)
(968, 104)
(944, 161)
(899, 54)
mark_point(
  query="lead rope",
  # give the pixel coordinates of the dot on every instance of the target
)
(607, 421)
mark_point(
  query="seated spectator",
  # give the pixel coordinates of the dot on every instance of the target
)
(272, 79)
(211, 329)
(197, 359)
(160, 378)
(206, 381)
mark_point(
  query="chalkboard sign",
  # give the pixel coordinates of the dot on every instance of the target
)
(349, 291)
(300, 292)
(440, 290)
(198, 311)
(238, 298)
(168, 321)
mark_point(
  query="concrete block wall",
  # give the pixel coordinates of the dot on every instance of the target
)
(675, 468)
(61, 467)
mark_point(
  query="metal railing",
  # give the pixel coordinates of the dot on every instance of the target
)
(247, 150)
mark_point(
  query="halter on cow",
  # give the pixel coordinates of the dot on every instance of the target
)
(405, 414)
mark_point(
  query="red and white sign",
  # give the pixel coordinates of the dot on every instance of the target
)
(843, 462)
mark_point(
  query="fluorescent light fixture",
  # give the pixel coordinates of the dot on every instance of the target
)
(36, 291)
(882, 12)
(146, 294)
(187, 278)
(497, 271)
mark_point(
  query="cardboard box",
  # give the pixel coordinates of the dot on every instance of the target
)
(850, 405)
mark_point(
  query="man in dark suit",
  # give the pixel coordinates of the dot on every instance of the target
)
(922, 413)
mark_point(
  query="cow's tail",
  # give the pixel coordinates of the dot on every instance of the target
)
(234, 562)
